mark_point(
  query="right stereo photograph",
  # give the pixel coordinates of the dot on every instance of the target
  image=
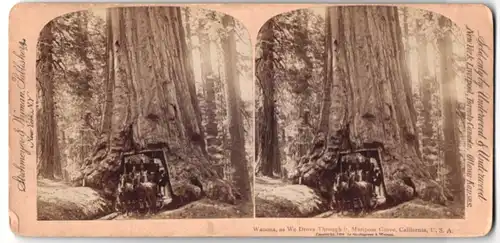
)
(360, 112)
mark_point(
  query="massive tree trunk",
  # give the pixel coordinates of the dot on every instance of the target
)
(236, 130)
(268, 160)
(48, 155)
(150, 104)
(377, 109)
(449, 97)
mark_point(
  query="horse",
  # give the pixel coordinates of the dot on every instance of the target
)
(143, 176)
(126, 194)
(342, 193)
(362, 191)
(147, 193)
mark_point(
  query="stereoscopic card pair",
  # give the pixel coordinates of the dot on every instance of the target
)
(163, 113)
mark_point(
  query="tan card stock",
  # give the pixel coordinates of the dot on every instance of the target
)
(251, 120)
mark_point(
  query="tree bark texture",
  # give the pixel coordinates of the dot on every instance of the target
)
(150, 104)
(236, 130)
(48, 152)
(268, 161)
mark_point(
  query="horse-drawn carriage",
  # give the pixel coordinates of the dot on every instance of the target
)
(358, 180)
(144, 183)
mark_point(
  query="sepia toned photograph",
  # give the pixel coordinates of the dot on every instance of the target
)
(360, 112)
(251, 120)
(144, 113)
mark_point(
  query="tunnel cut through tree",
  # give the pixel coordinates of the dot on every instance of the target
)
(150, 104)
(370, 103)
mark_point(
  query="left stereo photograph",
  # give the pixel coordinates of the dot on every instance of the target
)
(144, 113)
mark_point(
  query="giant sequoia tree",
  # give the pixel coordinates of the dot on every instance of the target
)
(370, 101)
(48, 156)
(268, 159)
(69, 73)
(150, 104)
(208, 77)
(449, 96)
(236, 129)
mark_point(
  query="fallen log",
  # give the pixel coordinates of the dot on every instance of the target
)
(277, 199)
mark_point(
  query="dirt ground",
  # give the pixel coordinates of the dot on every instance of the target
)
(275, 198)
(412, 209)
(204, 208)
(57, 201)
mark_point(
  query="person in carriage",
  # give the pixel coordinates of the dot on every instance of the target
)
(377, 182)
